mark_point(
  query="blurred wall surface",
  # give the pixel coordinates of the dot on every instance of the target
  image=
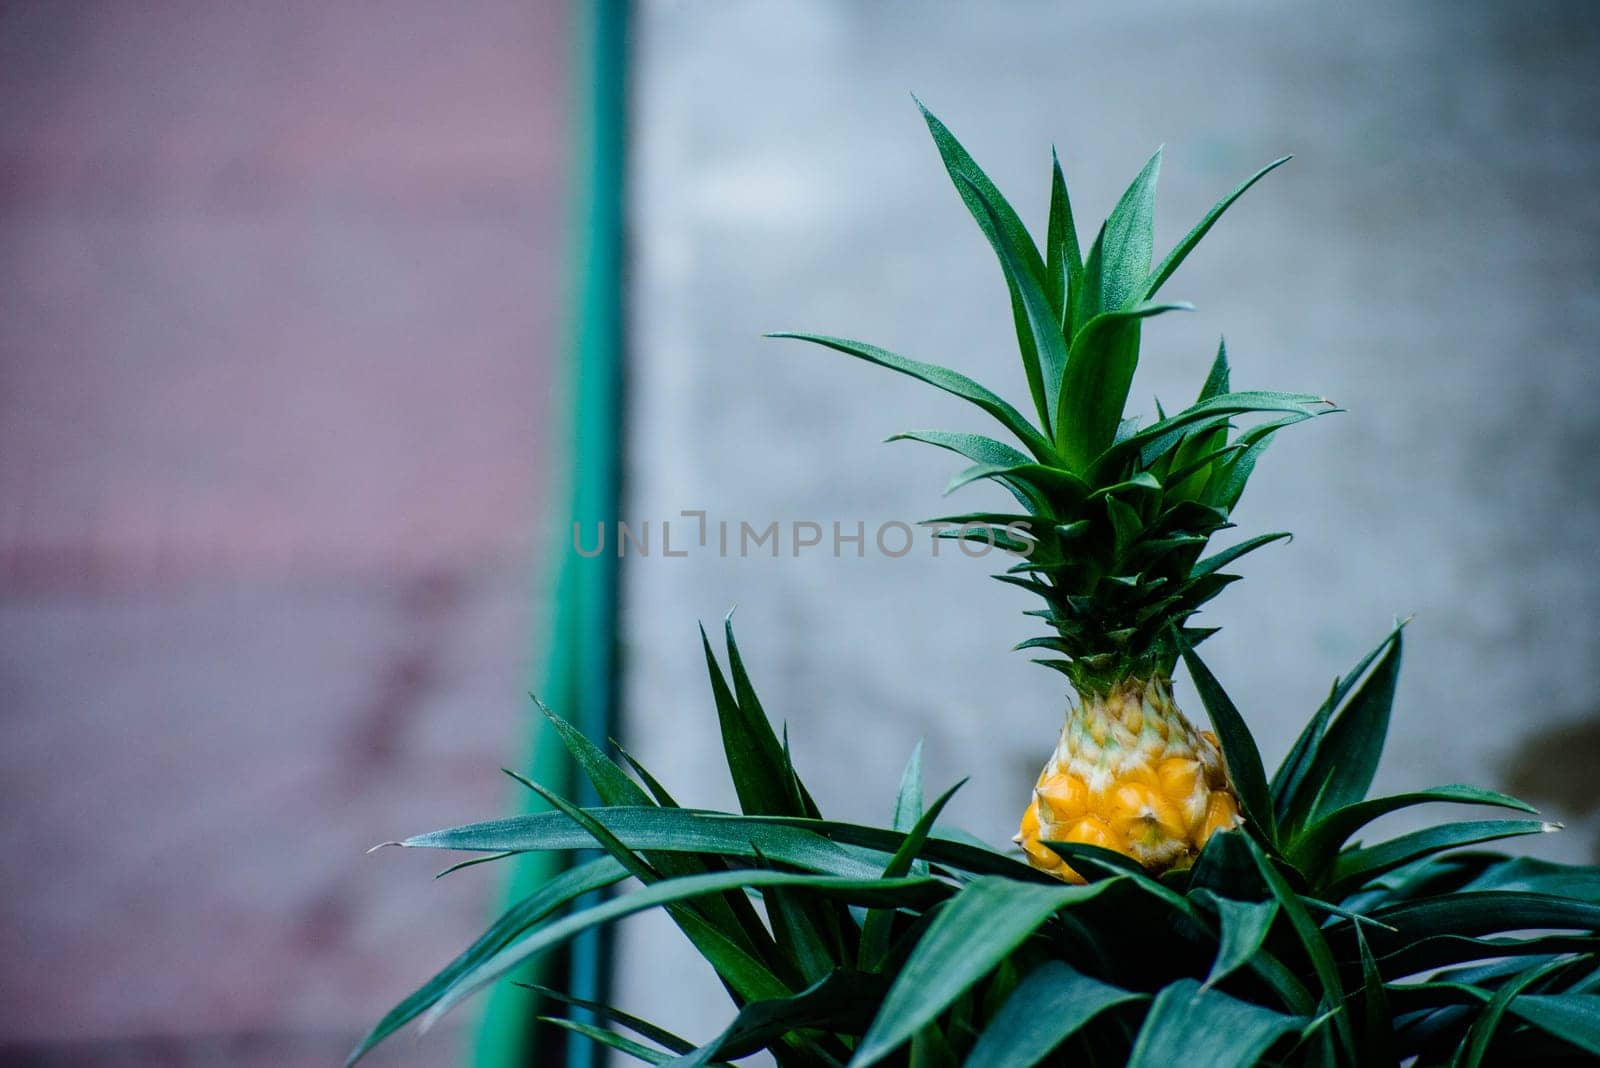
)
(277, 293)
(1429, 260)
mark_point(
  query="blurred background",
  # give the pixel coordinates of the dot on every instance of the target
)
(280, 288)
(282, 460)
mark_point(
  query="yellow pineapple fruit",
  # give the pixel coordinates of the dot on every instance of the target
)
(1129, 773)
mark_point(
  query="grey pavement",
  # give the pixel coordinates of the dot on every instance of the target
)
(1429, 260)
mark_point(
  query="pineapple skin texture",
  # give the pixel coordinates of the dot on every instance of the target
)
(1129, 773)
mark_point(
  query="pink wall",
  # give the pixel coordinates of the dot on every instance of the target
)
(278, 295)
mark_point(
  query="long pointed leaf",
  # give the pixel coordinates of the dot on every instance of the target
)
(1578, 881)
(659, 1035)
(1222, 559)
(908, 799)
(658, 793)
(1315, 943)
(1051, 483)
(559, 891)
(974, 447)
(960, 164)
(1217, 379)
(1244, 928)
(945, 846)
(669, 830)
(1377, 1033)
(973, 933)
(1005, 232)
(1226, 485)
(1317, 842)
(1476, 1044)
(1045, 339)
(987, 451)
(1480, 913)
(1128, 241)
(1290, 798)
(875, 930)
(1573, 1018)
(1191, 1024)
(1239, 750)
(1159, 437)
(1099, 371)
(839, 1001)
(862, 891)
(790, 796)
(727, 947)
(1356, 866)
(612, 785)
(1063, 260)
(952, 382)
(800, 935)
(755, 759)
(1085, 301)
(1347, 758)
(1159, 276)
(1449, 951)
(609, 1039)
(1051, 1004)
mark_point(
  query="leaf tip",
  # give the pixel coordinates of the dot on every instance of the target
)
(525, 781)
(384, 845)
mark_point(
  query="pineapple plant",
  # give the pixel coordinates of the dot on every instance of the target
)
(1172, 902)
(1117, 515)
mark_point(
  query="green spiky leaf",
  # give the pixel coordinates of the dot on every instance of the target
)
(971, 935)
(1181, 251)
(943, 378)
(1063, 259)
(1191, 1024)
(1050, 1005)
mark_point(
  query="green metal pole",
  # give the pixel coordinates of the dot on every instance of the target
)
(578, 674)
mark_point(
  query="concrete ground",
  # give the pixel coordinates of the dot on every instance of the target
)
(1429, 261)
(278, 291)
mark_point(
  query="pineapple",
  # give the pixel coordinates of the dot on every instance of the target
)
(1129, 773)
(1115, 515)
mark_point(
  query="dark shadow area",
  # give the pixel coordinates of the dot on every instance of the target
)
(1559, 766)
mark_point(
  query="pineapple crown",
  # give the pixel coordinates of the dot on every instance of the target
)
(1115, 514)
